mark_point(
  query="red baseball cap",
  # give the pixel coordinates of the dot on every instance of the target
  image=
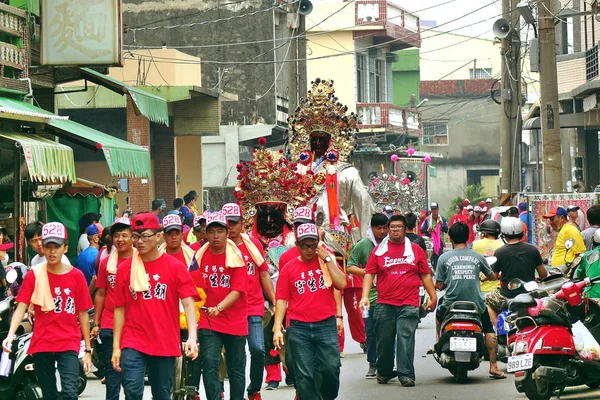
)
(143, 221)
(466, 202)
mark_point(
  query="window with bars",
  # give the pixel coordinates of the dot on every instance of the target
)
(591, 63)
(435, 133)
(480, 73)
(361, 71)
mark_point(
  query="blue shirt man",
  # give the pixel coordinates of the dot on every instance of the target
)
(86, 260)
(527, 219)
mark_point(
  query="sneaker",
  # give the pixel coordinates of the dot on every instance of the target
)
(273, 385)
(342, 355)
(407, 382)
(255, 396)
(382, 380)
(363, 346)
(372, 374)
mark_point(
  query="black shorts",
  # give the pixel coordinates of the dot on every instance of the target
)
(486, 321)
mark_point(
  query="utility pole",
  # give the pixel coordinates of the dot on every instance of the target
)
(510, 155)
(292, 68)
(549, 110)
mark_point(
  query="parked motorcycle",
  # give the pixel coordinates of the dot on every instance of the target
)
(17, 375)
(461, 345)
(545, 360)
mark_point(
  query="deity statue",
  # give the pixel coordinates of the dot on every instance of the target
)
(403, 194)
(321, 139)
(268, 191)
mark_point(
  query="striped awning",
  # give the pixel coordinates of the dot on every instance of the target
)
(23, 111)
(150, 106)
(47, 161)
(123, 158)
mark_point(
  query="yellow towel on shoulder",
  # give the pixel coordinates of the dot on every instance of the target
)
(233, 255)
(188, 252)
(42, 295)
(255, 253)
(113, 259)
(138, 279)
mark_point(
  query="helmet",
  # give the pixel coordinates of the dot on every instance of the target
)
(511, 226)
(597, 236)
(490, 226)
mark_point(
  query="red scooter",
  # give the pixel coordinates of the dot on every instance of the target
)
(544, 357)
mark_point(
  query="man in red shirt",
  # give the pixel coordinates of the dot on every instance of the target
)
(305, 289)
(174, 245)
(104, 301)
(259, 280)
(226, 325)
(60, 297)
(149, 287)
(400, 267)
(199, 232)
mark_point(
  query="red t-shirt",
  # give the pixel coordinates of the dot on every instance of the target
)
(398, 281)
(288, 256)
(195, 246)
(108, 281)
(301, 284)
(152, 317)
(254, 292)
(58, 330)
(179, 256)
(458, 218)
(219, 281)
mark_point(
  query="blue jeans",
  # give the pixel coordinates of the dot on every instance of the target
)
(396, 325)
(161, 373)
(316, 354)
(371, 337)
(256, 344)
(67, 363)
(211, 343)
(113, 378)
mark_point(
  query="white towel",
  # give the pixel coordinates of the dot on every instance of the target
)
(409, 255)
(371, 236)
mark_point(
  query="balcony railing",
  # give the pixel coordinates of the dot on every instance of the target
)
(14, 44)
(389, 19)
(393, 118)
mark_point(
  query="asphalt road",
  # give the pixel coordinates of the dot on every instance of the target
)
(433, 382)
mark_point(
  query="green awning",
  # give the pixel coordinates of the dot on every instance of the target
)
(47, 161)
(150, 106)
(23, 111)
(123, 158)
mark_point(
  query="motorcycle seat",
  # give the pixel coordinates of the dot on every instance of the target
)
(521, 301)
(543, 320)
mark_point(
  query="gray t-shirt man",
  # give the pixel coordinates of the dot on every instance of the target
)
(459, 271)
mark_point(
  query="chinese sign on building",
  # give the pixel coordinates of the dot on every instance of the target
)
(81, 32)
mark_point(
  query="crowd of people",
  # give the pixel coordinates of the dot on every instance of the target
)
(183, 282)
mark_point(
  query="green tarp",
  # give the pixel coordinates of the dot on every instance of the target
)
(68, 210)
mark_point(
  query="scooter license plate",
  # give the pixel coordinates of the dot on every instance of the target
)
(463, 344)
(520, 362)
(421, 291)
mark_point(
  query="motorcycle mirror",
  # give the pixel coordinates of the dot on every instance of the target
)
(514, 284)
(569, 243)
(11, 276)
(531, 286)
(491, 260)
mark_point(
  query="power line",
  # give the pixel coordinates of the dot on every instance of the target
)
(182, 61)
(192, 24)
(301, 35)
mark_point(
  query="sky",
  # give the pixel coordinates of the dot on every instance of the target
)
(444, 11)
